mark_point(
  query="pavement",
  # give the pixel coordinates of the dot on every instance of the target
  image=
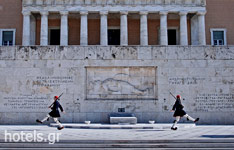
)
(123, 126)
(196, 132)
(201, 133)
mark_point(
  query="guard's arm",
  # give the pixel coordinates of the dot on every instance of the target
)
(173, 108)
(61, 108)
(51, 105)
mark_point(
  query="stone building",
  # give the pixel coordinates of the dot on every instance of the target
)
(116, 55)
(137, 22)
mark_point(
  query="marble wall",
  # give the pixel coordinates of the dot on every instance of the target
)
(99, 80)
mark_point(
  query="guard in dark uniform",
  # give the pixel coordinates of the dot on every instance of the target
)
(54, 113)
(179, 112)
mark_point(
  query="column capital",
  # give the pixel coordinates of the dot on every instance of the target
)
(163, 12)
(143, 12)
(201, 13)
(44, 13)
(183, 13)
(26, 12)
(84, 12)
(123, 12)
(103, 13)
(64, 13)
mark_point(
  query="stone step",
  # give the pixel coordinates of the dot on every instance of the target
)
(123, 126)
(184, 145)
(223, 140)
(116, 148)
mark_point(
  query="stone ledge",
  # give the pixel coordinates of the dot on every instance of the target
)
(111, 2)
(117, 53)
(111, 126)
(118, 120)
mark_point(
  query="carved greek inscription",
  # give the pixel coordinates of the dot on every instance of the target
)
(214, 102)
(52, 81)
(185, 80)
(25, 103)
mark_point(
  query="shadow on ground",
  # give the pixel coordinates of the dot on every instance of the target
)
(218, 136)
(148, 130)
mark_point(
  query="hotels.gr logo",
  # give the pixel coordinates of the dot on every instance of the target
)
(31, 137)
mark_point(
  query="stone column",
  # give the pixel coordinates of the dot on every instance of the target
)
(144, 28)
(44, 28)
(201, 26)
(64, 28)
(84, 28)
(104, 28)
(26, 28)
(124, 28)
(32, 30)
(163, 28)
(197, 2)
(183, 28)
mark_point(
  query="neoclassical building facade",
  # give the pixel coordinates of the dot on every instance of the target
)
(184, 13)
(146, 22)
(110, 22)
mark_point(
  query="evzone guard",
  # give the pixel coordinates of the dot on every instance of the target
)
(179, 112)
(55, 106)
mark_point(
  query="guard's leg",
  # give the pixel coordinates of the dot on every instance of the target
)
(59, 124)
(46, 118)
(175, 123)
(190, 118)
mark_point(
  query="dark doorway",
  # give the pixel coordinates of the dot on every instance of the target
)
(54, 36)
(172, 37)
(113, 36)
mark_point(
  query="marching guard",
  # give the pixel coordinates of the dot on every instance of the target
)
(55, 106)
(179, 112)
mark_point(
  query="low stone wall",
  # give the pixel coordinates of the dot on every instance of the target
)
(99, 80)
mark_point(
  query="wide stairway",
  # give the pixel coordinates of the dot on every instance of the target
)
(191, 144)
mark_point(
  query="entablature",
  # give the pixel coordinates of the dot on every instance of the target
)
(113, 2)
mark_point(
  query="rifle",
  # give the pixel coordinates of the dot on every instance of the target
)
(56, 99)
(172, 95)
